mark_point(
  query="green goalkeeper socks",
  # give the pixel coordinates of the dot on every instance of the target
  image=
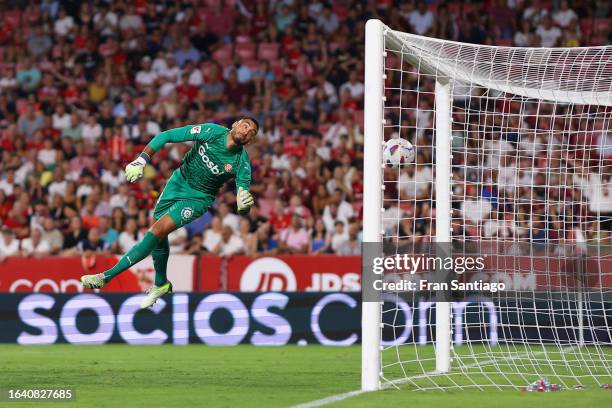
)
(160, 261)
(138, 252)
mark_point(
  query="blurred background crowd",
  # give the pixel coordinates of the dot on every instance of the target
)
(84, 85)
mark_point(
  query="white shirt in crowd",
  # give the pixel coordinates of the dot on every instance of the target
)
(417, 184)
(63, 26)
(421, 23)
(330, 92)
(599, 193)
(211, 239)
(57, 187)
(6, 187)
(338, 239)
(61, 122)
(233, 246)
(176, 239)
(564, 18)
(84, 190)
(112, 180)
(10, 249)
(196, 78)
(507, 177)
(47, 156)
(356, 89)
(118, 200)
(146, 78)
(345, 212)
(127, 240)
(475, 210)
(548, 37)
(28, 247)
(232, 220)
(92, 133)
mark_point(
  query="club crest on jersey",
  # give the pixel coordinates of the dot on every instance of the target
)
(228, 167)
(186, 213)
(196, 129)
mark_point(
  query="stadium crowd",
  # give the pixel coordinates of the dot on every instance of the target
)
(84, 85)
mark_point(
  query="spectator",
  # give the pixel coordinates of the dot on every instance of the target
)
(28, 76)
(351, 246)
(212, 235)
(421, 20)
(39, 42)
(549, 34)
(228, 218)
(319, 240)
(92, 130)
(64, 23)
(327, 21)
(130, 236)
(9, 246)
(338, 236)
(230, 243)
(30, 122)
(177, 240)
(61, 118)
(565, 15)
(35, 246)
(284, 18)
(108, 234)
(53, 236)
(354, 86)
(75, 234)
(295, 239)
(93, 244)
(75, 129)
(186, 52)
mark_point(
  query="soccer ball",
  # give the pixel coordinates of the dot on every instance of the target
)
(398, 152)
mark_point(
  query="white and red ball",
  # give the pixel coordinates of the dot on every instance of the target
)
(398, 152)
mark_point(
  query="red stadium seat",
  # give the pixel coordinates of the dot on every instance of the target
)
(243, 39)
(602, 25)
(246, 51)
(268, 51)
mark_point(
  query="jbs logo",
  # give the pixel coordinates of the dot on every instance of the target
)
(214, 169)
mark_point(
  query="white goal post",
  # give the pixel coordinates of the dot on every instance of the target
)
(514, 161)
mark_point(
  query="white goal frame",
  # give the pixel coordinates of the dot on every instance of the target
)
(374, 122)
(372, 203)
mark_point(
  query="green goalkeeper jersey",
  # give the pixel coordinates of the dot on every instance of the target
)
(209, 163)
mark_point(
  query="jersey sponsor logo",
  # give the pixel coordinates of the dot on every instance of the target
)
(214, 169)
(196, 129)
(186, 213)
(228, 167)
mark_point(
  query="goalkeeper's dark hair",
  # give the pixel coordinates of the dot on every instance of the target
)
(252, 119)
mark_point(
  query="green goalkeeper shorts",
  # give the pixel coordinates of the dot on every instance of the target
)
(181, 202)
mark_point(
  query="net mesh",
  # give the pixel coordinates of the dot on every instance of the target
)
(531, 192)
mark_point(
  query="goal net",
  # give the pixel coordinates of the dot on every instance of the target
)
(513, 167)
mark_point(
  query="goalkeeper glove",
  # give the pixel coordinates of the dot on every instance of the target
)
(135, 169)
(244, 200)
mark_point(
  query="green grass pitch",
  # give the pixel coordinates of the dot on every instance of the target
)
(244, 376)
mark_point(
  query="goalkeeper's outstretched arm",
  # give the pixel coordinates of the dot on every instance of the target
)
(135, 169)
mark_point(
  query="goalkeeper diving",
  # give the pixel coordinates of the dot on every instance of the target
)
(217, 155)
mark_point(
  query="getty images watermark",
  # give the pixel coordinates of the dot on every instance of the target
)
(434, 269)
